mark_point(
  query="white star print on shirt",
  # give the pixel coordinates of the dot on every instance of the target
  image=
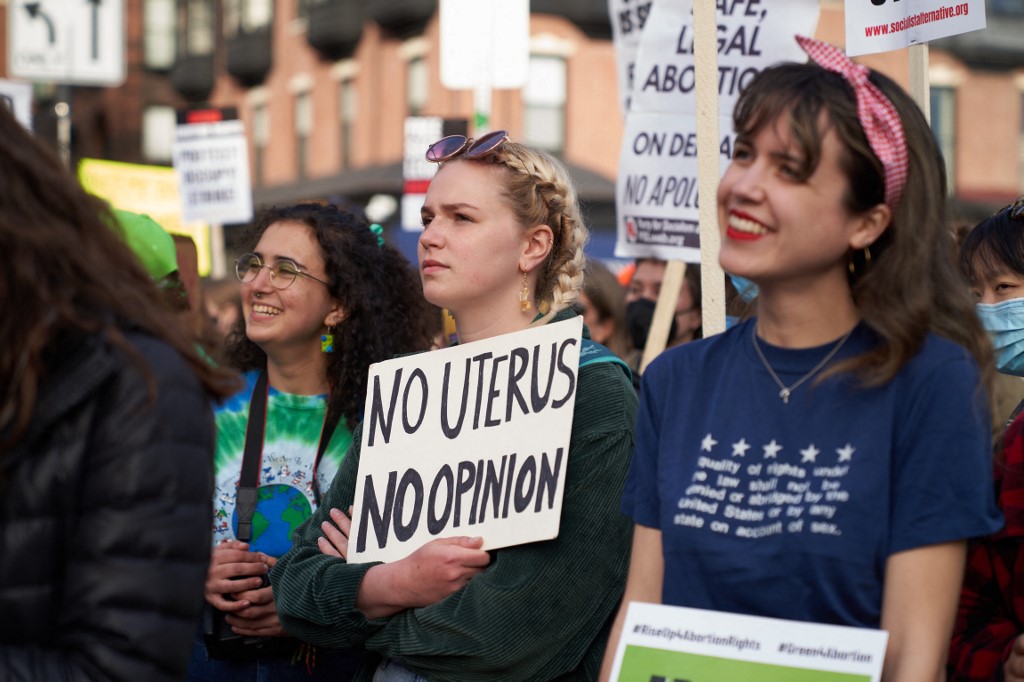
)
(771, 450)
(846, 453)
(809, 453)
(740, 449)
(708, 443)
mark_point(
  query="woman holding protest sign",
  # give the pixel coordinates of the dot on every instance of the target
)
(831, 455)
(503, 238)
(323, 296)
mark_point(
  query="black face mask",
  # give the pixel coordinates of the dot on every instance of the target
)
(639, 315)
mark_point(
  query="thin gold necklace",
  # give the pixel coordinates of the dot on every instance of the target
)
(786, 391)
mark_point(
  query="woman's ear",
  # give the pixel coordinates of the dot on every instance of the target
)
(872, 224)
(537, 244)
(336, 316)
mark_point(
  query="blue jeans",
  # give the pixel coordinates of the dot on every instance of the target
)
(335, 666)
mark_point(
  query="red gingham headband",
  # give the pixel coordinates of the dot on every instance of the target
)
(878, 117)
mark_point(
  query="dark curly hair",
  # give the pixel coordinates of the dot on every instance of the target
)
(379, 290)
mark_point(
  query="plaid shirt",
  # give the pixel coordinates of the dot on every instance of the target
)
(991, 611)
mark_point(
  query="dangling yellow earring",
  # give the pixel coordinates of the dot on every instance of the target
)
(327, 341)
(867, 256)
(524, 296)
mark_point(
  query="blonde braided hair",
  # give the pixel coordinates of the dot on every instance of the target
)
(540, 192)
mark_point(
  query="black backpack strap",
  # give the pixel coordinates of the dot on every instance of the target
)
(252, 457)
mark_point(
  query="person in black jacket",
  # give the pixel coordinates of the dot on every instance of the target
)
(106, 441)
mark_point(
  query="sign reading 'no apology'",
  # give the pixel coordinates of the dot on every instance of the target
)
(470, 440)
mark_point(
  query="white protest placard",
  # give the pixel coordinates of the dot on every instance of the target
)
(752, 34)
(211, 161)
(420, 133)
(894, 24)
(468, 440)
(670, 642)
(17, 98)
(656, 187)
(627, 18)
(656, 190)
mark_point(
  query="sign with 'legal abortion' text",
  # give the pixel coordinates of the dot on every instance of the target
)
(469, 440)
(656, 190)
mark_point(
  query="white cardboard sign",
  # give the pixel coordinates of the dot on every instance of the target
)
(656, 190)
(17, 98)
(894, 24)
(752, 34)
(628, 18)
(468, 440)
(671, 642)
(212, 164)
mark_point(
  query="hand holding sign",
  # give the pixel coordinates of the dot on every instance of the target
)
(428, 575)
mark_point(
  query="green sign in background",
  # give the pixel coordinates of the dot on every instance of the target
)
(642, 664)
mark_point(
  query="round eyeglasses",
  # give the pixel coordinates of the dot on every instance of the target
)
(453, 145)
(282, 273)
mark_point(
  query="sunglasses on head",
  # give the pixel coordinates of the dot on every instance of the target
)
(1016, 209)
(451, 146)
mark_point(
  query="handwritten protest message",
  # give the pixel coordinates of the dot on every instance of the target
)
(470, 440)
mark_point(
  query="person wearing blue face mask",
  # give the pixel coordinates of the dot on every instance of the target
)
(992, 257)
(987, 641)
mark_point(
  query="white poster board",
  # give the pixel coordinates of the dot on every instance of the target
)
(468, 440)
(893, 25)
(420, 133)
(656, 190)
(670, 642)
(627, 18)
(211, 161)
(17, 98)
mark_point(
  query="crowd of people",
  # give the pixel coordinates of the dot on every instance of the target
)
(179, 459)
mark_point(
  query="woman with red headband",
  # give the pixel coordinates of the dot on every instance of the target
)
(830, 455)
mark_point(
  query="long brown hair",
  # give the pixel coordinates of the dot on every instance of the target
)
(67, 273)
(911, 285)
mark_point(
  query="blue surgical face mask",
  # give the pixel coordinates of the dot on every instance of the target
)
(1004, 323)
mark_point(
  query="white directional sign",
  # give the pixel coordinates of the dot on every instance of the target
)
(66, 41)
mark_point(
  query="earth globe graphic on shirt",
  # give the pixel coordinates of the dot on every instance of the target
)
(280, 510)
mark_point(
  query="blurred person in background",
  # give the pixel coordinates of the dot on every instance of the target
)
(604, 310)
(642, 296)
(988, 638)
(106, 440)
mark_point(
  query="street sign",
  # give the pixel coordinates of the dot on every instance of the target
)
(79, 42)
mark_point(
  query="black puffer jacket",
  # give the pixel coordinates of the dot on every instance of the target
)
(105, 519)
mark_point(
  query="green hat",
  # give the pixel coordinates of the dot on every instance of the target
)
(152, 244)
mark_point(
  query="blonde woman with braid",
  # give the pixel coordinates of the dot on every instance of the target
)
(502, 249)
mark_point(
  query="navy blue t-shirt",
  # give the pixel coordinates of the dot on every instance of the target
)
(791, 510)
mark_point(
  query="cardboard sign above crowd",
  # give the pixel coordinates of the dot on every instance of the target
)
(469, 440)
(883, 25)
(656, 192)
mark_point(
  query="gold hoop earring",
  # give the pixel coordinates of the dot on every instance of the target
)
(524, 295)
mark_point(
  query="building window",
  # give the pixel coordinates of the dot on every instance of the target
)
(348, 108)
(158, 129)
(260, 139)
(196, 37)
(256, 14)
(943, 106)
(544, 100)
(417, 85)
(303, 127)
(158, 49)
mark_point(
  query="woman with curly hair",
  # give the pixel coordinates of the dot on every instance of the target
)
(323, 297)
(502, 249)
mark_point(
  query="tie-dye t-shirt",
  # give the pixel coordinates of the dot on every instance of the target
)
(285, 489)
